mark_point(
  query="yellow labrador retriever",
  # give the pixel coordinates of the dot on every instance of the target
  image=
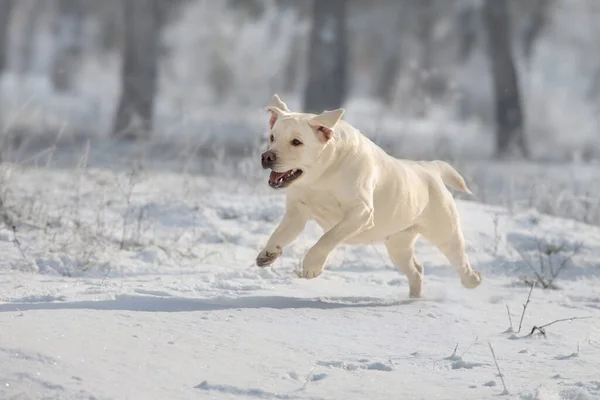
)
(358, 193)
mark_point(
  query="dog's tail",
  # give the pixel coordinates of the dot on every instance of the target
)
(449, 175)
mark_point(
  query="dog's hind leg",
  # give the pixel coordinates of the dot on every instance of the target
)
(401, 249)
(453, 248)
(442, 229)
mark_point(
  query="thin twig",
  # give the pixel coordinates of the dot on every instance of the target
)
(525, 306)
(471, 345)
(505, 391)
(308, 377)
(530, 265)
(379, 254)
(509, 319)
(496, 233)
(105, 276)
(541, 328)
(17, 244)
(538, 243)
(562, 265)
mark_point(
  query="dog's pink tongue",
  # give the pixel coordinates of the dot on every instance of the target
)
(274, 177)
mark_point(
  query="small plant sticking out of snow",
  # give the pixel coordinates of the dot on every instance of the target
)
(457, 360)
(525, 307)
(510, 328)
(550, 260)
(541, 329)
(505, 391)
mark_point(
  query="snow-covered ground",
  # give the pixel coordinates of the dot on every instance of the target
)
(129, 276)
(142, 285)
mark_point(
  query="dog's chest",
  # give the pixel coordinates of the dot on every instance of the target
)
(323, 208)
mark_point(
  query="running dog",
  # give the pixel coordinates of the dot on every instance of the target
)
(358, 194)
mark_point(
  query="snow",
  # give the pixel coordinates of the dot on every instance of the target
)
(141, 284)
(130, 272)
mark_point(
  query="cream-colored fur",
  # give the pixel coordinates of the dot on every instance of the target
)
(359, 194)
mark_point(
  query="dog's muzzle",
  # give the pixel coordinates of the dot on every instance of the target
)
(268, 159)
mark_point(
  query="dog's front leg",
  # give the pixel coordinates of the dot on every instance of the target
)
(355, 221)
(287, 231)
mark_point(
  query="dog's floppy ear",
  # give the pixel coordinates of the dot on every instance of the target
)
(325, 122)
(276, 107)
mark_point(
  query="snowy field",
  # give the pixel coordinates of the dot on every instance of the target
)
(127, 270)
(141, 284)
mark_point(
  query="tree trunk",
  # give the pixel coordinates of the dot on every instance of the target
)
(29, 13)
(292, 66)
(510, 135)
(422, 90)
(535, 26)
(387, 81)
(426, 15)
(327, 84)
(139, 70)
(5, 11)
(467, 32)
(68, 30)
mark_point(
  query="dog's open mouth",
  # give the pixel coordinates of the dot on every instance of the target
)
(279, 180)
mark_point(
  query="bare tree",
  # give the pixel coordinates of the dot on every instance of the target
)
(538, 11)
(426, 17)
(293, 64)
(139, 70)
(293, 69)
(327, 85)
(467, 32)
(510, 135)
(68, 31)
(423, 89)
(387, 81)
(28, 14)
(5, 11)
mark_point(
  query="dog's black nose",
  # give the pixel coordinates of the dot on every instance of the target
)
(268, 159)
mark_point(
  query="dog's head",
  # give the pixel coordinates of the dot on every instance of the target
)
(296, 142)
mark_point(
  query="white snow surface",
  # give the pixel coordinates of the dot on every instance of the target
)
(121, 285)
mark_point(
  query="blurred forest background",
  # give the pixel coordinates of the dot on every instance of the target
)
(467, 79)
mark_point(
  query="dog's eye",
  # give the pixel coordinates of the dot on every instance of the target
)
(272, 138)
(296, 142)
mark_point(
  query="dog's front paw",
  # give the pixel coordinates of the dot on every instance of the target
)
(312, 266)
(267, 257)
(472, 280)
(309, 273)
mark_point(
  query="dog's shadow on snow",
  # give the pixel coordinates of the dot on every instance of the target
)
(180, 304)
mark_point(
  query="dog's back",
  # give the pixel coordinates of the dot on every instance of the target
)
(355, 143)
